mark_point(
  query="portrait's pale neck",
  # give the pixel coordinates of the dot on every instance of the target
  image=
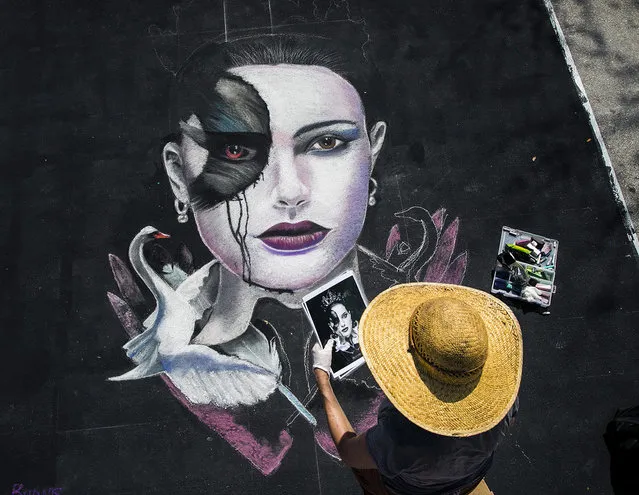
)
(236, 300)
(294, 300)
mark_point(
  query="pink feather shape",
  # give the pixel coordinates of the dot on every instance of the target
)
(445, 247)
(393, 238)
(456, 270)
(438, 218)
(266, 457)
(129, 320)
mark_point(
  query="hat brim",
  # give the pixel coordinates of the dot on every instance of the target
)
(438, 407)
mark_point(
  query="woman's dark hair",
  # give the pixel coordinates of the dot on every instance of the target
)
(212, 61)
(331, 298)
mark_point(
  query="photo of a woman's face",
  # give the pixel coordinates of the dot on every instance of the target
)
(340, 321)
(306, 211)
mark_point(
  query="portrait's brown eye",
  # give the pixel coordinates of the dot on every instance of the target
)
(327, 143)
(234, 151)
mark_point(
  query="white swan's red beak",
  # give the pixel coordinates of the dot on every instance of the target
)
(161, 235)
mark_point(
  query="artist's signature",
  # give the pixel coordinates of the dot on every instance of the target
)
(19, 489)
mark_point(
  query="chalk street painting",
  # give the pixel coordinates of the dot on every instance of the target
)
(180, 175)
(275, 160)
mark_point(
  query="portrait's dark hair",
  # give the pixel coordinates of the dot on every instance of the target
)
(210, 62)
(331, 297)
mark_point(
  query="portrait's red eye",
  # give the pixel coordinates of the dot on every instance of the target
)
(234, 151)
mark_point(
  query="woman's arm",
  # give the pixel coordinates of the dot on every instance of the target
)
(350, 446)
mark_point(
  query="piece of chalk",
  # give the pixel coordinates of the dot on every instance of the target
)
(515, 247)
(505, 285)
(539, 244)
(502, 284)
(536, 251)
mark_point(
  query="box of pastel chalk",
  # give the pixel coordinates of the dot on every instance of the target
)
(526, 267)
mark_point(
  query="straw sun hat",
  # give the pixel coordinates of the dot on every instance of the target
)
(448, 357)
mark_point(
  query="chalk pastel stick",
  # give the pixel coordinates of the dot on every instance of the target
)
(522, 254)
(501, 284)
(538, 243)
(538, 273)
(519, 249)
(544, 287)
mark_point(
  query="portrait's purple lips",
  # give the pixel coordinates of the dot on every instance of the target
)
(293, 237)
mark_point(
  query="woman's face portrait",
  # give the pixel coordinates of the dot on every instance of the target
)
(306, 210)
(340, 321)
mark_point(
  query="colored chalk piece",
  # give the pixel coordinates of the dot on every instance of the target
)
(505, 285)
(523, 243)
(524, 254)
(534, 250)
(539, 244)
(538, 273)
(519, 249)
(502, 284)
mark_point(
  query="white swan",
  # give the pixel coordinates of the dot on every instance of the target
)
(247, 373)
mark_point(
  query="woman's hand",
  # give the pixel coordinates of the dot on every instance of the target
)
(322, 357)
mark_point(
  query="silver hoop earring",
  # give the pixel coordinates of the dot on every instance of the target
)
(181, 209)
(372, 201)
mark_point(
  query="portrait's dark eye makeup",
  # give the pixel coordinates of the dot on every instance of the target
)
(237, 152)
(236, 160)
(231, 146)
(326, 137)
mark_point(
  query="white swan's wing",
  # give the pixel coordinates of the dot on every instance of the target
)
(170, 331)
(254, 347)
(206, 376)
(142, 348)
(200, 288)
(143, 351)
(144, 370)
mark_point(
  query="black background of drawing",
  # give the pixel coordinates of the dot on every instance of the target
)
(477, 89)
